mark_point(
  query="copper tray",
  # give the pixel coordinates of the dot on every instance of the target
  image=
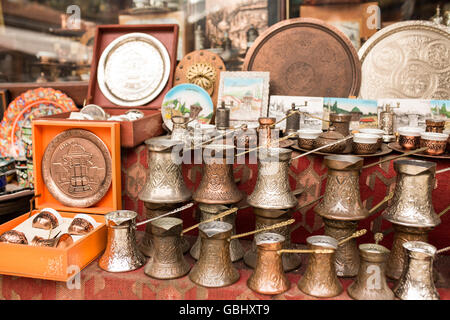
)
(406, 60)
(306, 57)
(395, 146)
(384, 151)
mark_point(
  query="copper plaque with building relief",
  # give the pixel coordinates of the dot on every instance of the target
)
(306, 57)
(407, 60)
(77, 168)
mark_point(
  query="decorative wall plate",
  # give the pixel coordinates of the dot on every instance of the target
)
(408, 60)
(77, 168)
(306, 57)
(26, 107)
(202, 68)
(181, 101)
(133, 69)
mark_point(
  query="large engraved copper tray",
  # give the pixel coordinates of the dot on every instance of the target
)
(77, 168)
(306, 57)
(395, 146)
(382, 152)
(407, 60)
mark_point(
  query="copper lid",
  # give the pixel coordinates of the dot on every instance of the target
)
(331, 134)
(306, 57)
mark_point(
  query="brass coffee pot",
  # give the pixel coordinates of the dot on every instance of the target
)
(154, 210)
(341, 121)
(165, 182)
(208, 211)
(320, 278)
(167, 261)
(218, 185)
(267, 218)
(272, 189)
(342, 200)
(214, 267)
(411, 210)
(412, 203)
(342, 208)
(370, 283)
(121, 253)
(268, 276)
(416, 282)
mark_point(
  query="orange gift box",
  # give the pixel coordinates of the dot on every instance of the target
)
(55, 263)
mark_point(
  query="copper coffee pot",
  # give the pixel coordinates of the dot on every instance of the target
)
(341, 121)
(217, 185)
(267, 218)
(208, 211)
(214, 267)
(165, 188)
(268, 276)
(272, 189)
(342, 208)
(167, 261)
(370, 283)
(165, 183)
(416, 282)
(121, 253)
(154, 210)
(266, 132)
(411, 210)
(320, 278)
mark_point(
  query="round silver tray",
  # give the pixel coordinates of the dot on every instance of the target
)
(384, 151)
(133, 69)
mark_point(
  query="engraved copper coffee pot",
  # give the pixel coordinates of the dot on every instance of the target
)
(341, 121)
(341, 209)
(411, 210)
(165, 188)
(320, 278)
(121, 253)
(167, 261)
(370, 283)
(268, 276)
(214, 267)
(266, 218)
(416, 281)
(208, 211)
(165, 182)
(272, 189)
(218, 185)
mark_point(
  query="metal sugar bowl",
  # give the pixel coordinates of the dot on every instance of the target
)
(121, 253)
(214, 267)
(208, 211)
(167, 261)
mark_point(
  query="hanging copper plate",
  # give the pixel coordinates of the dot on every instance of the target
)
(77, 168)
(202, 68)
(407, 60)
(306, 57)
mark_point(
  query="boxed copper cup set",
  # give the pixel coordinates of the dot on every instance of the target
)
(197, 112)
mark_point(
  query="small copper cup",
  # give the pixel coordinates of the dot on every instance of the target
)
(63, 241)
(306, 138)
(435, 125)
(448, 140)
(81, 224)
(47, 219)
(365, 143)
(13, 236)
(409, 137)
(435, 142)
(377, 132)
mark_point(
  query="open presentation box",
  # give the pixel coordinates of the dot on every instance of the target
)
(54, 263)
(133, 133)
